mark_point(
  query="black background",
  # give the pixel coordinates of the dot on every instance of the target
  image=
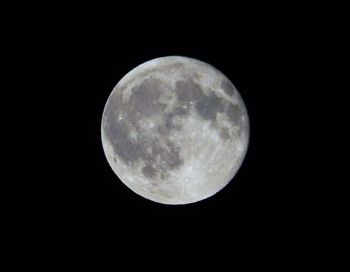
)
(73, 57)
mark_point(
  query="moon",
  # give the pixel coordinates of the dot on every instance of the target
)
(175, 130)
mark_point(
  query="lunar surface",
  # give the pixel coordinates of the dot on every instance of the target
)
(175, 130)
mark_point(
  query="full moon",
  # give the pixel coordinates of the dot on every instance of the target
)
(175, 130)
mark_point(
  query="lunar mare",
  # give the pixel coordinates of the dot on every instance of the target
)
(175, 130)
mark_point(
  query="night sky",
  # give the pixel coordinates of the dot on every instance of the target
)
(75, 58)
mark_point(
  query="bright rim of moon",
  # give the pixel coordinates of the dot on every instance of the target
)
(175, 130)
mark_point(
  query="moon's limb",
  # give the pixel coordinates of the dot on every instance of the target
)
(175, 130)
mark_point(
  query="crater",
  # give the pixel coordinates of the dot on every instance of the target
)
(228, 87)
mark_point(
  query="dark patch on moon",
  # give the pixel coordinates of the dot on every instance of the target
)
(208, 106)
(180, 111)
(144, 149)
(169, 159)
(117, 133)
(172, 158)
(143, 102)
(167, 125)
(163, 130)
(145, 145)
(144, 97)
(228, 87)
(149, 172)
(234, 113)
(224, 133)
(157, 150)
(168, 121)
(188, 90)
